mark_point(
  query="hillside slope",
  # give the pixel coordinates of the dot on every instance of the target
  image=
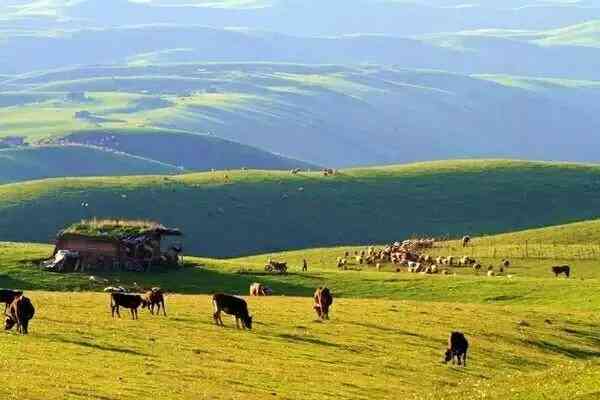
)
(56, 161)
(184, 149)
(585, 232)
(132, 151)
(327, 115)
(260, 212)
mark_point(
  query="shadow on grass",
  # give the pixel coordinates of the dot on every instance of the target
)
(9, 282)
(96, 346)
(503, 298)
(389, 329)
(590, 337)
(573, 352)
(192, 280)
(302, 339)
(87, 395)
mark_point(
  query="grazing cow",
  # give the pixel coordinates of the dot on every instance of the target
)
(457, 348)
(323, 300)
(561, 269)
(258, 289)
(231, 305)
(20, 312)
(7, 296)
(154, 299)
(466, 240)
(126, 300)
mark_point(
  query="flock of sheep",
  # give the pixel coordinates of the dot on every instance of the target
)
(410, 254)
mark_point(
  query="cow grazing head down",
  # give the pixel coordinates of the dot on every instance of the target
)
(247, 321)
(232, 305)
(458, 346)
(447, 356)
(9, 323)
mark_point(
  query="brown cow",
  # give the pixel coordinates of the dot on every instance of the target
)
(20, 312)
(154, 299)
(323, 300)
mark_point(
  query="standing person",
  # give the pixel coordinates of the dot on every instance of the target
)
(304, 265)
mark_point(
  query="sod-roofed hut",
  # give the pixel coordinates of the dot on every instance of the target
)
(116, 245)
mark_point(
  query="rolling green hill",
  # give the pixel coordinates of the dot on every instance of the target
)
(259, 212)
(132, 151)
(327, 115)
(56, 161)
(585, 232)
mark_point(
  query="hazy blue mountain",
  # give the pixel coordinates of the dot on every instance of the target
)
(461, 53)
(326, 115)
(308, 17)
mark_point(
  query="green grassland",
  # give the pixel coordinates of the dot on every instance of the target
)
(369, 349)
(228, 213)
(532, 336)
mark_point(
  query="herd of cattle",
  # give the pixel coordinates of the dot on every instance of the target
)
(19, 310)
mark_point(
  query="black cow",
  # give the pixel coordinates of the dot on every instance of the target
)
(231, 305)
(20, 312)
(457, 348)
(7, 296)
(323, 300)
(127, 300)
(561, 269)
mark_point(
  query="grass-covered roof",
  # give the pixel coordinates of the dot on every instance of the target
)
(113, 228)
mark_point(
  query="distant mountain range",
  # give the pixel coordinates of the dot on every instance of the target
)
(568, 53)
(325, 115)
(305, 17)
(138, 85)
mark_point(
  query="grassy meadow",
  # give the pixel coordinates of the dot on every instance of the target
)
(532, 336)
(369, 349)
